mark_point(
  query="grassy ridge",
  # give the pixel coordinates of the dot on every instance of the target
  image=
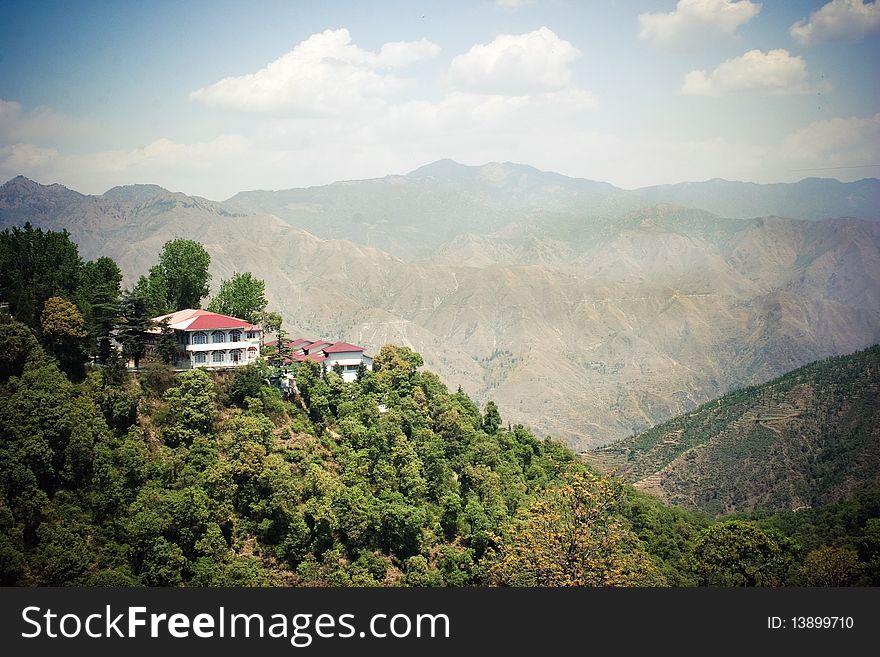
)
(805, 439)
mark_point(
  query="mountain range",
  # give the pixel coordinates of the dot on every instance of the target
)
(585, 311)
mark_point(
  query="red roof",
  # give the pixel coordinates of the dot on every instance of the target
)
(195, 319)
(211, 321)
(337, 347)
(316, 346)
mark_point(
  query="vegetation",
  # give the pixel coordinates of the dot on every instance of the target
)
(215, 479)
(805, 439)
(179, 280)
(241, 296)
(69, 304)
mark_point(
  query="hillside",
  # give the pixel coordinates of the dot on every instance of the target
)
(805, 439)
(160, 477)
(585, 319)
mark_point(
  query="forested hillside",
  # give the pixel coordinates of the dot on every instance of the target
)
(806, 439)
(164, 478)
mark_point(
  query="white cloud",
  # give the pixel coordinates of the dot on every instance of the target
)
(847, 20)
(695, 23)
(775, 72)
(39, 124)
(516, 64)
(838, 142)
(25, 159)
(325, 74)
(398, 54)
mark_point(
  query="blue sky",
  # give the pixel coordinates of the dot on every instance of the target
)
(211, 98)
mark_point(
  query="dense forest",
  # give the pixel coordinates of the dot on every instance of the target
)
(112, 477)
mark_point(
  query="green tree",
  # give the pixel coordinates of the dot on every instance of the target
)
(166, 345)
(247, 382)
(99, 298)
(191, 407)
(36, 265)
(241, 296)
(133, 328)
(179, 280)
(153, 290)
(739, 553)
(61, 321)
(185, 265)
(18, 344)
(492, 419)
(395, 367)
(63, 332)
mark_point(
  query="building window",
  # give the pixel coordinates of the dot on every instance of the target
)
(351, 368)
(218, 337)
(200, 357)
(218, 356)
(251, 335)
(200, 338)
(251, 353)
(235, 336)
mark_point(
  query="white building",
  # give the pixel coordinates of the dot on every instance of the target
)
(211, 340)
(348, 356)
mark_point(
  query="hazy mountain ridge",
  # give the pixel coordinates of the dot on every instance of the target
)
(413, 214)
(582, 326)
(808, 438)
(810, 198)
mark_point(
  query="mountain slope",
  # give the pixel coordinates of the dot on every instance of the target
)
(810, 198)
(412, 215)
(584, 328)
(808, 438)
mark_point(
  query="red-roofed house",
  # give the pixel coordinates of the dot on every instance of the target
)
(348, 356)
(211, 340)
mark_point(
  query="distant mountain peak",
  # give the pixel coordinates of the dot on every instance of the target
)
(140, 193)
(24, 183)
(24, 192)
(441, 168)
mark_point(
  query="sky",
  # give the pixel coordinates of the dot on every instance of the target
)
(212, 98)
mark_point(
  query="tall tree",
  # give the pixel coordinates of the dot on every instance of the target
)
(133, 328)
(36, 265)
(179, 280)
(99, 297)
(185, 265)
(153, 289)
(241, 296)
(492, 419)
